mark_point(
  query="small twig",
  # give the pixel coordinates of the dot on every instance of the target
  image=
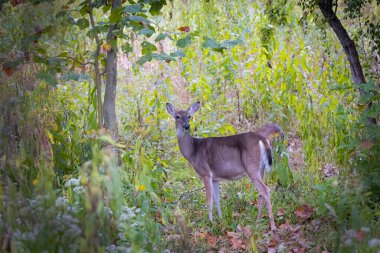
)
(187, 194)
(81, 63)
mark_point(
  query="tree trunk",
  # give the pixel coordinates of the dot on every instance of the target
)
(98, 79)
(111, 81)
(326, 7)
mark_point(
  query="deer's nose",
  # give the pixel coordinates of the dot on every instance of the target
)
(186, 126)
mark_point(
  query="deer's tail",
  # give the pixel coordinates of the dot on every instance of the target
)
(265, 156)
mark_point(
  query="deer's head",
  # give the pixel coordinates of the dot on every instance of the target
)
(182, 118)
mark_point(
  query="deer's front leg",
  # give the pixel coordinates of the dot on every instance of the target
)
(215, 185)
(209, 194)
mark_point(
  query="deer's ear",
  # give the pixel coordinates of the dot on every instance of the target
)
(194, 108)
(170, 108)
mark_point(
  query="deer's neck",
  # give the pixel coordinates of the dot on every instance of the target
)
(185, 143)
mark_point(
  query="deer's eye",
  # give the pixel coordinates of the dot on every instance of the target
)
(177, 117)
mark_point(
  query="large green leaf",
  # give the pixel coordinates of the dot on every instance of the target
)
(48, 77)
(182, 43)
(116, 16)
(134, 8)
(148, 47)
(178, 53)
(147, 32)
(83, 23)
(231, 43)
(211, 43)
(162, 36)
(155, 56)
(126, 48)
(138, 19)
(156, 6)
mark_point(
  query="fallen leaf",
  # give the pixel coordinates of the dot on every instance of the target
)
(199, 235)
(304, 212)
(233, 234)
(211, 240)
(16, 2)
(286, 225)
(273, 243)
(280, 212)
(299, 250)
(366, 144)
(223, 250)
(184, 29)
(237, 244)
(8, 70)
(247, 231)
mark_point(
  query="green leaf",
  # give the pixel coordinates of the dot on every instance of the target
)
(63, 54)
(138, 19)
(161, 36)
(60, 14)
(147, 32)
(231, 43)
(41, 50)
(38, 59)
(91, 33)
(48, 77)
(178, 53)
(182, 43)
(134, 8)
(211, 43)
(106, 8)
(84, 10)
(156, 6)
(83, 23)
(154, 56)
(147, 47)
(126, 48)
(115, 16)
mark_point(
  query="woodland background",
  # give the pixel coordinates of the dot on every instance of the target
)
(89, 160)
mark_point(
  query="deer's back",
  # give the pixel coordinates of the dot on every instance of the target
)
(224, 157)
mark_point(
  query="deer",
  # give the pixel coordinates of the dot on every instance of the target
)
(226, 158)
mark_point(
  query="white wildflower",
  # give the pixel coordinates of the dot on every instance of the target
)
(348, 242)
(107, 211)
(78, 190)
(124, 217)
(111, 248)
(373, 243)
(61, 201)
(365, 229)
(121, 236)
(72, 182)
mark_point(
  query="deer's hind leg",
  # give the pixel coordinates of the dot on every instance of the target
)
(253, 169)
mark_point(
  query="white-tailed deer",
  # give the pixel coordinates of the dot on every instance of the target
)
(226, 158)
